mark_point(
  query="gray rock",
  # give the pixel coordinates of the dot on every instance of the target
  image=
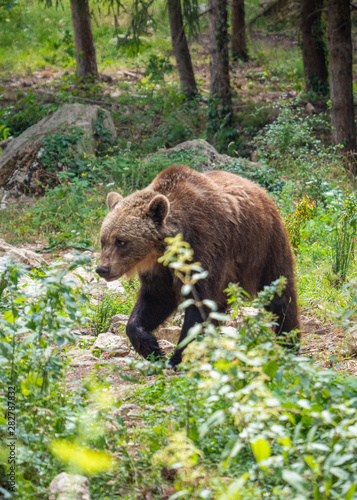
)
(207, 156)
(21, 255)
(81, 276)
(114, 286)
(20, 164)
(309, 324)
(166, 346)
(310, 109)
(119, 320)
(69, 487)
(171, 333)
(244, 311)
(118, 346)
(128, 410)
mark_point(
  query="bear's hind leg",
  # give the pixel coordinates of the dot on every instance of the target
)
(286, 310)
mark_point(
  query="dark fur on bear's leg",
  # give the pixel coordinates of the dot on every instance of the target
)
(149, 312)
(143, 342)
(192, 316)
(285, 308)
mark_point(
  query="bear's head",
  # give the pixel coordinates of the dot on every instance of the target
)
(133, 233)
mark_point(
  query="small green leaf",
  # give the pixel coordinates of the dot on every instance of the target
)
(129, 378)
(285, 441)
(219, 316)
(210, 304)
(295, 480)
(186, 289)
(311, 462)
(185, 304)
(350, 492)
(8, 316)
(261, 449)
(271, 368)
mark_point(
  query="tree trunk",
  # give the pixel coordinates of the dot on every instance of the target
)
(239, 43)
(220, 90)
(83, 39)
(313, 46)
(340, 72)
(181, 50)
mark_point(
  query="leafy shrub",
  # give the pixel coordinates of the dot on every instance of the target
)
(304, 211)
(111, 304)
(157, 67)
(60, 150)
(344, 238)
(28, 112)
(6, 8)
(264, 176)
(291, 134)
(34, 319)
(67, 212)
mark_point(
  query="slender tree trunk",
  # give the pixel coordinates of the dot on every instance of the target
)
(83, 39)
(313, 46)
(340, 72)
(220, 91)
(180, 48)
(239, 43)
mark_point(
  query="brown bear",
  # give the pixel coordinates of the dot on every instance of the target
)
(232, 225)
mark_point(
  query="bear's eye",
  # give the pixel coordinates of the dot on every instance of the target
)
(120, 243)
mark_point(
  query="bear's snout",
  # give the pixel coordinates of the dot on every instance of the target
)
(103, 271)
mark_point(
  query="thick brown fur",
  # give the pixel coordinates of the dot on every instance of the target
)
(233, 227)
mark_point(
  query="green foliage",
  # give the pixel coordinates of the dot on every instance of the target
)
(63, 50)
(27, 112)
(157, 67)
(290, 134)
(264, 176)
(304, 211)
(103, 133)
(6, 8)
(220, 131)
(190, 12)
(68, 213)
(60, 150)
(344, 238)
(111, 304)
(253, 117)
(4, 132)
(141, 18)
(34, 318)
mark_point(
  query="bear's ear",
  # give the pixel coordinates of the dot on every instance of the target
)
(113, 199)
(158, 209)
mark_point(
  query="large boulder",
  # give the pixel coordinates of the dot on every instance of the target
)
(206, 156)
(26, 165)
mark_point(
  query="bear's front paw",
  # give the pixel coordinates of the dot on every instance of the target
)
(175, 359)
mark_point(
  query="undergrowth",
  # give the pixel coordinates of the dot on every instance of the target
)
(245, 419)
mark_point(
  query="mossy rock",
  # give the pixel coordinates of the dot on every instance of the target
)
(31, 162)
